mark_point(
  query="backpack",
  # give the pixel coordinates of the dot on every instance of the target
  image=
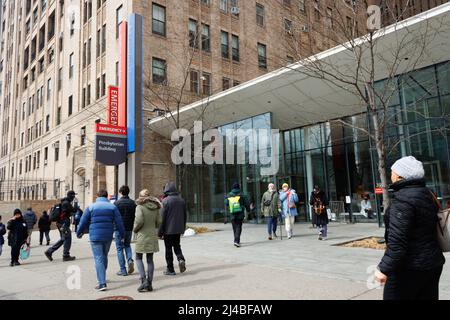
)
(55, 213)
(443, 225)
(234, 204)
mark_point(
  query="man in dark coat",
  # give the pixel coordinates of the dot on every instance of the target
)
(236, 203)
(63, 224)
(127, 209)
(30, 219)
(412, 263)
(44, 227)
(18, 234)
(319, 203)
(174, 217)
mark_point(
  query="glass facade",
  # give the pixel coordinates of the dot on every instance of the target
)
(341, 158)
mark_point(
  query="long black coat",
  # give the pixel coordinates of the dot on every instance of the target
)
(411, 232)
(323, 218)
(127, 208)
(173, 212)
(44, 223)
(18, 232)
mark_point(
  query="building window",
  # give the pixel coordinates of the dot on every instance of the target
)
(235, 48)
(262, 56)
(194, 82)
(99, 42)
(49, 88)
(159, 71)
(83, 136)
(104, 38)
(119, 19)
(60, 78)
(206, 84)
(288, 26)
(193, 34)
(290, 60)
(57, 151)
(206, 38)
(301, 5)
(58, 116)
(224, 5)
(98, 89)
(70, 106)
(47, 123)
(287, 3)
(260, 13)
(316, 10)
(45, 156)
(71, 65)
(225, 45)
(225, 83)
(88, 95)
(159, 20)
(103, 87)
(89, 52)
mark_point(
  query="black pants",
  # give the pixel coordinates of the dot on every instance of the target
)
(41, 236)
(15, 252)
(172, 241)
(237, 230)
(413, 285)
(66, 240)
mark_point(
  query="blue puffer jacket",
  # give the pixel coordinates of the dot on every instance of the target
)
(101, 216)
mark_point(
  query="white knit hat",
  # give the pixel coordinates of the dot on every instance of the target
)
(409, 168)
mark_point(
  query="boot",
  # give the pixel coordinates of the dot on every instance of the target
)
(144, 285)
(149, 287)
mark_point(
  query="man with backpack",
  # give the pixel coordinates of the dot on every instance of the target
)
(30, 219)
(61, 214)
(270, 206)
(236, 203)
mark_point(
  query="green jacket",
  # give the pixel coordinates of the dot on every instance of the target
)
(245, 204)
(275, 206)
(146, 225)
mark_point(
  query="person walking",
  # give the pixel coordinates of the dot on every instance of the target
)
(413, 261)
(289, 200)
(127, 209)
(270, 204)
(63, 213)
(319, 203)
(17, 236)
(101, 216)
(31, 220)
(2, 233)
(236, 203)
(44, 228)
(146, 225)
(173, 225)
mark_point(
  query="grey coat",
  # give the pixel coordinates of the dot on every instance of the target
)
(173, 212)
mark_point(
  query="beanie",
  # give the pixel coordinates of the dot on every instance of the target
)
(409, 168)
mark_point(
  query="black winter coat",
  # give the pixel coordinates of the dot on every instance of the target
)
(44, 223)
(173, 212)
(127, 208)
(2, 233)
(18, 232)
(411, 230)
(323, 218)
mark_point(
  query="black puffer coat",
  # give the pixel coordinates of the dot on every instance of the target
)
(127, 208)
(411, 232)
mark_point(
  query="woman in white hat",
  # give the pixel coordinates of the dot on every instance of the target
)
(412, 264)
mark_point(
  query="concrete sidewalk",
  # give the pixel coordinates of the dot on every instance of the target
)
(300, 268)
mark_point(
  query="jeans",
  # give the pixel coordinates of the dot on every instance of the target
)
(413, 285)
(66, 240)
(123, 246)
(41, 236)
(172, 241)
(100, 250)
(272, 223)
(1, 249)
(237, 230)
(323, 229)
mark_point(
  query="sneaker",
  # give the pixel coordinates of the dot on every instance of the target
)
(48, 255)
(11, 264)
(122, 274)
(320, 237)
(48, 243)
(68, 258)
(237, 245)
(270, 238)
(101, 287)
(324, 238)
(182, 265)
(130, 267)
(169, 273)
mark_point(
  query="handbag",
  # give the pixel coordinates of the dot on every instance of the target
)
(443, 226)
(25, 251)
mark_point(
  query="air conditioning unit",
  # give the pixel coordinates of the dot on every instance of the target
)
(69, 138)
(304, 29)
(234, 10)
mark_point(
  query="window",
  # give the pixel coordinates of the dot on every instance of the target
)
(98, 89)
(194, 82)
(41, 65)
(51, 55)
(104, 38)
(193, 34)
(60, 78)
(206, 84)
(117, 73)
(206, 38)
(205, 2)
(260, 13)
(45, 155)
(301, 5)
(49, 88)
(83, 99)
(84, 54)
(71, 65)
(290, 60)
(89, 52)
(288, 26)
(119, 19)
(47, 123)
(225, 83)
(70, 106)
(88, 94)
(224, 5)
(68, 143)
(225, 45)
(262, 56)
(103, 87)
(159, 20)
(57, 151)
(38, 159)
(316, 10)
(235, 48)
(58, 116)
(329, 17)
(236, 83)
(159, 71)
(287, 3)
(83, 136)
(99, 42)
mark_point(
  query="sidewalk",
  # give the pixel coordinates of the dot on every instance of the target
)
(300, 268)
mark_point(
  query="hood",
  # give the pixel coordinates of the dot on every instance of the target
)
(170, 188)
(151, 203)
(28, 213)
(235, 191)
